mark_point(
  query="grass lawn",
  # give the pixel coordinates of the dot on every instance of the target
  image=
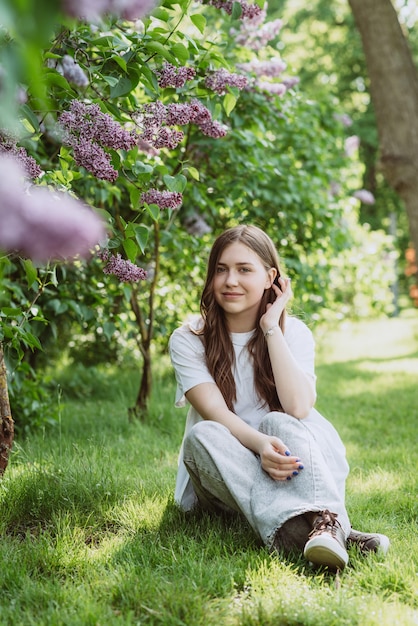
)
(90, 534)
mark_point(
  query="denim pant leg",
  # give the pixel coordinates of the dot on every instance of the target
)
(228, 475)
(221, 469)
(314, 489)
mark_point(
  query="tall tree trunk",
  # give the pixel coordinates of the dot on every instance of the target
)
(394, 93)
(6, 420)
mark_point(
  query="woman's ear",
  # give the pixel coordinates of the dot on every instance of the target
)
(271, 275)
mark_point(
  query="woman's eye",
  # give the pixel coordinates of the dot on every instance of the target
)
(219, 270)
(245, 269)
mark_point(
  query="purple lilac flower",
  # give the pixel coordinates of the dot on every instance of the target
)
(366, 197)
(179, 114)
(171, 76)
(254, 33)
(8, 146)
(249, 11)
(43, 224)
(91, 156)
(123, 269)
(351, 145)
(271, 68)
(156, 119)
(92, 10)
(167, 138)
(344, 118)
(88, 131)
(72, 71)
(219, 80)
(163, 199)
(277, 89)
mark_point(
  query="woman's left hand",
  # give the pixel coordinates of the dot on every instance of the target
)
(274, 310)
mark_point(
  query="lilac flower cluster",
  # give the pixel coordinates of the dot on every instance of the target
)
(94, 9)
(351, 145)
(123, 269)
(88, 131)
(276, 89)
(157, 120)
(72, 71)
(255, 33)
(43, 224)
(163, 199)
(248, 11)
(366, 197)
(219, 80)
(170, 76)
(8, 146)
(271, 68)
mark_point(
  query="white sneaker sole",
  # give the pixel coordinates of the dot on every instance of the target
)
(384, 544)
(326, 551)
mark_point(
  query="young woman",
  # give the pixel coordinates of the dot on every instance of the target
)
(253, 442)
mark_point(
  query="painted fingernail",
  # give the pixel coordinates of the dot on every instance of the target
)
(287, 453)
(289, 478)
(295, 473)
(301, 466)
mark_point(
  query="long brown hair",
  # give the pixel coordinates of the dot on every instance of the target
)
(219, 350)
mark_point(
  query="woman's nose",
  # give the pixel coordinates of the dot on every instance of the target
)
(232, 278)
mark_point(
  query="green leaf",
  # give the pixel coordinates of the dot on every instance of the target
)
(175, 183)
(158, 48)
(141, 235)
(134, 194)
(30, 271)
(199, 21)
(154, 211)
(8, 311)
(109, 330)
(229, 103)
(120, 61)
(161, 14)
(123, 87)
(131, 249)
(112, 81)
(236, 10)
(30, 116)
(194, 173)
(181, 52)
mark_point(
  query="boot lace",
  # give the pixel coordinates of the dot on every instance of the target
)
(325, 522)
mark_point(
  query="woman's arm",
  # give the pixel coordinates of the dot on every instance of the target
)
(274, 454)
(295, 388)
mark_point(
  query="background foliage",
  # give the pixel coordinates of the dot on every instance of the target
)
(281, 165)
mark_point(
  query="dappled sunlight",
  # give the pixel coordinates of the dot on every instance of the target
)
(407, 365)
(379, 338)
(378, 481)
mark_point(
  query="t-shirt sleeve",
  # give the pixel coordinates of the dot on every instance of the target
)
(301, 343)
(188, 359)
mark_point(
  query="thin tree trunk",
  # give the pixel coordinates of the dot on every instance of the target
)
(394, 93)
(146, 331)
(6, 420)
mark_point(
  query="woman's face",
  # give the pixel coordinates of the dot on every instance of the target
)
(239, 284)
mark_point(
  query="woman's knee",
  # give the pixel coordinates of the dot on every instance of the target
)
(202, 432)
(275, 423)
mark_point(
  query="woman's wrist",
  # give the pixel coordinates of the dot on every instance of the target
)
(270, 331)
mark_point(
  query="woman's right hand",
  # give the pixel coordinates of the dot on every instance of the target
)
(277, 460)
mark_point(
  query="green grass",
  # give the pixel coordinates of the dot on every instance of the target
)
(90, 534)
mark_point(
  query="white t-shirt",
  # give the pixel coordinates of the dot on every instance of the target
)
(188, 358)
